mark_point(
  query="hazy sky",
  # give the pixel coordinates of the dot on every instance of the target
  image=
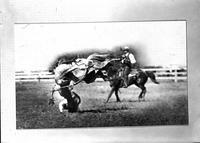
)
(37, 45)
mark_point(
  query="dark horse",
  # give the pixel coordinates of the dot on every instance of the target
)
(114, 71)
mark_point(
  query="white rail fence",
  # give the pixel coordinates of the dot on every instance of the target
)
(175, 74)
(33, 75)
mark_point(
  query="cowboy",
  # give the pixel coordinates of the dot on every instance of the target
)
(60, 71)
(129, 62)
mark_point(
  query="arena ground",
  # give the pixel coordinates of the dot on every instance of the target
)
(165, 104)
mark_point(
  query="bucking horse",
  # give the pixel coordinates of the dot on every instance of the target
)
(67, 75)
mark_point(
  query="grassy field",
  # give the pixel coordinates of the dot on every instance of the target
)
(166, 104)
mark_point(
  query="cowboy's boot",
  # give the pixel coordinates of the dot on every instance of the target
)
(125, 83)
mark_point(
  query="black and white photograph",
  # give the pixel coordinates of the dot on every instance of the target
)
(101, 74)
(100, 71)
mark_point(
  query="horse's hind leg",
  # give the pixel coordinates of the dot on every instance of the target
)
(142, 93)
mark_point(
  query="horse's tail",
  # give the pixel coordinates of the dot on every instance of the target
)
(152, 76)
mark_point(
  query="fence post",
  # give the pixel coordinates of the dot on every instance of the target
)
(39, 77)
(175, 75)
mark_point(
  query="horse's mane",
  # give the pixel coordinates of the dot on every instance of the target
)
(114, 67)
(116, 63)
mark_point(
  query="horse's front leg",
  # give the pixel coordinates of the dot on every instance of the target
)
(110, 94)
(116, 94)
(90, 77)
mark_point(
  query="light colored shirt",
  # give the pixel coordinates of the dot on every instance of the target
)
(131, 57)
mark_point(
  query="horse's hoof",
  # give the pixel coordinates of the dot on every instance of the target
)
(72, 111)
(65, 106)
(141, 99)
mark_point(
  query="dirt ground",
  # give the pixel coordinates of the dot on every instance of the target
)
(165, 104)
